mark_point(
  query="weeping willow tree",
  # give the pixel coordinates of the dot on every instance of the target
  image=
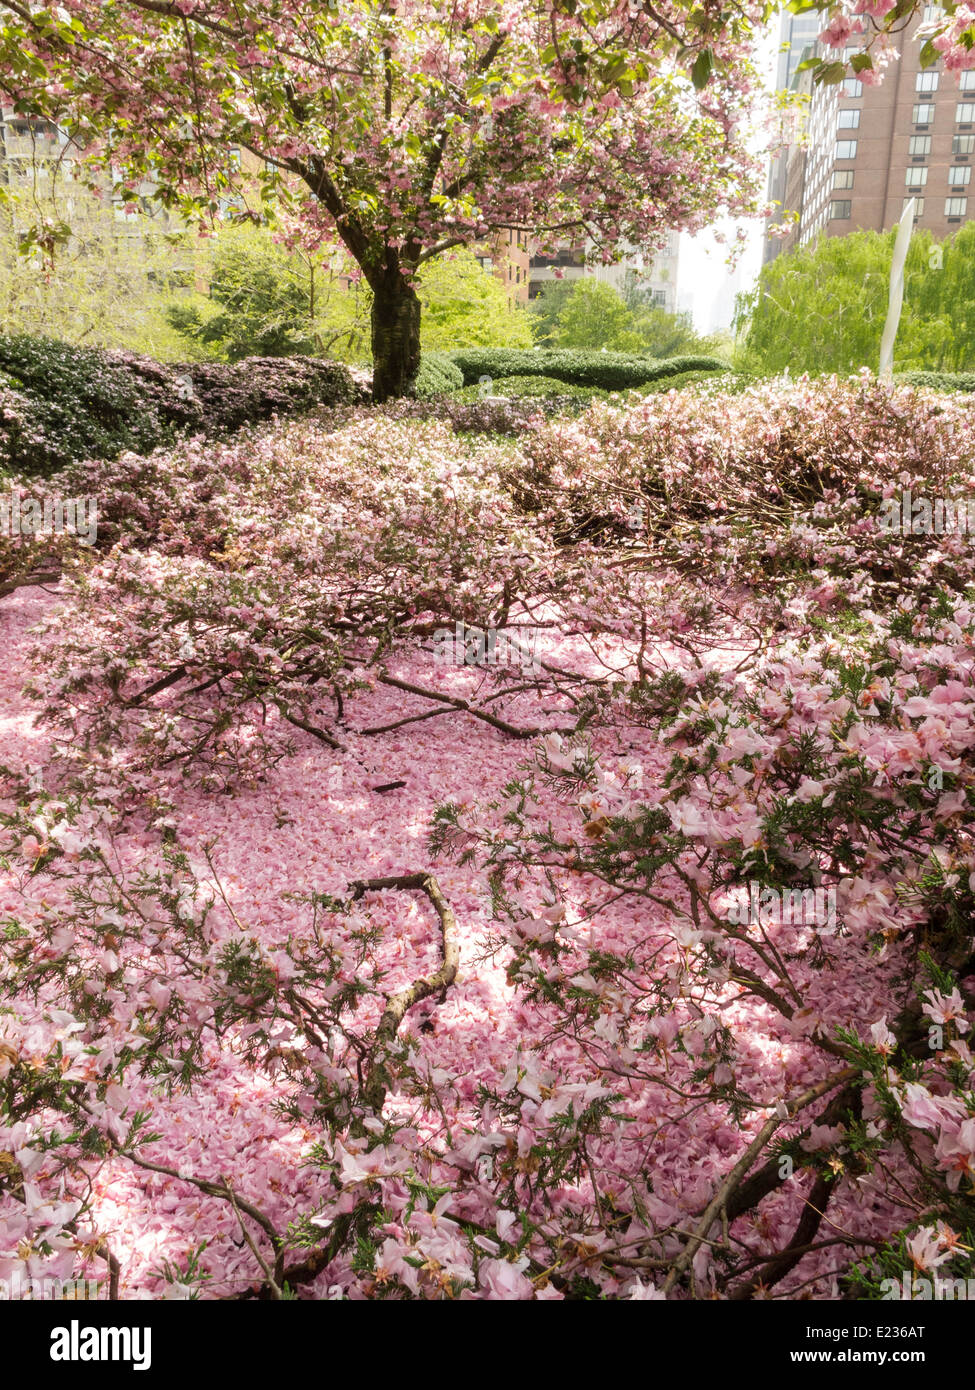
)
(822, 308)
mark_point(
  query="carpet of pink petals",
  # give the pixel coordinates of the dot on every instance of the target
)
(471, 1182)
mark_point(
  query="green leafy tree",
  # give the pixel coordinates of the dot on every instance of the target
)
(941, 288)
(546, 307)
(465, 305)
(404, 130)
(667, 335)
(270, 301)
(267, 300)
(597, 315)
(594, 316)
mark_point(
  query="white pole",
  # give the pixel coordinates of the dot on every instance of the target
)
(896, 300)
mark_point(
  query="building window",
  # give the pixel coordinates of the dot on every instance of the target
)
(959, 175)
(852, 88)
(843, 178)
(846, 149)
(565, 257)
(918, 207)
(919, 145)
(967, 80)
(923, 114)
(660, 299)
(962, 145)
(965, 112)
(840, 208)
(955, 207)
(926, 82)
(849, 120)
(915, 178)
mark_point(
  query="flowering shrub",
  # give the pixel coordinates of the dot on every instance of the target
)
(232, 394)
(502, 983)
(270, 572)
(806, 454)
(474, 413)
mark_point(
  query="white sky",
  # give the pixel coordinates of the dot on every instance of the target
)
(705, 287)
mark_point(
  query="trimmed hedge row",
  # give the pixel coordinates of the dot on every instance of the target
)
(723, 379)
(550, 389)
(437, 375)
(530, 388)
(60, 404)
(609, 371)
(938, 381)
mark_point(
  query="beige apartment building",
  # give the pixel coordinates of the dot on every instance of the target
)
(656, 271)
(38, 157)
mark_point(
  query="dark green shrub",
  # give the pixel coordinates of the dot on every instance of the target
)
(168, 388)
(437, 375)
(609, 371)
(61, 404)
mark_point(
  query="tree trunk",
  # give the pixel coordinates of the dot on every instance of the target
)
(395, 337)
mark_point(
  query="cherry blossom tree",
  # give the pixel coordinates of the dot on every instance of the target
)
(405, 129)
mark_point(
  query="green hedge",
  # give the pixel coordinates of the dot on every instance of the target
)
(437, 375)
(938, 381)
(551, 389)
(529, 387)
(61, 404)
(609, 371)
(722, 379)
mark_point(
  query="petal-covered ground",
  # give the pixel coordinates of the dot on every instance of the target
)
(632, 1084)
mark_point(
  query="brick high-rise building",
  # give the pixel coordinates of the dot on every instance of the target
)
(508, 257)
(869, 150)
